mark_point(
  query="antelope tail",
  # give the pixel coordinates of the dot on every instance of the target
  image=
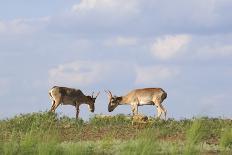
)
(164, 95)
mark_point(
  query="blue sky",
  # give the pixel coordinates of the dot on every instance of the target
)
(185, 47)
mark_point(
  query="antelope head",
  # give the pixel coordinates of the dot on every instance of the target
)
(113, 101)
(92, 101)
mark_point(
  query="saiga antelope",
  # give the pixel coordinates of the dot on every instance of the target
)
(140, 97)
(70, 96)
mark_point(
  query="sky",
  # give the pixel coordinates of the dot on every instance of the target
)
(184, 47)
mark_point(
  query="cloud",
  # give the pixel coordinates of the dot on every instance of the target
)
(81, 72)
(22, 26)
(121, 41)
(155, 17)
(91, 73)
(84, 5)
(133, 17)
(15, 27)
(86, 73)
(169, 46)
(129, 6)
(155, 74)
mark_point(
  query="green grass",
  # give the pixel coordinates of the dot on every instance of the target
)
(226, 139)
(48, 133)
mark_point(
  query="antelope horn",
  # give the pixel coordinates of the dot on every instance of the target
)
(109, 92)
(97, 94)
(92, 94)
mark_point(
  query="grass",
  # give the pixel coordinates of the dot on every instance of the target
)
(226, 139)
(47, 133)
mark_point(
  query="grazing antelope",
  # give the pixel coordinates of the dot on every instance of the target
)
(70, 96)
(140, 97)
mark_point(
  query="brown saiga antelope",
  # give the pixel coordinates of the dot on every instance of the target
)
(70, 96)
(140, 97)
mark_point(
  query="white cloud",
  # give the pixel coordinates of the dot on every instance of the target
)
(14, 27)
(121, 41)
(79, 72)
(84, 5)
(22, 26)
(168, 47)
(154, 74)
(121, 6)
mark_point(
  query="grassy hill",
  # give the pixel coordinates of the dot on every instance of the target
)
(47, 133)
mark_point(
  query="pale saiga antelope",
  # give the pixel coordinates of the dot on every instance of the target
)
(70, 96)
(140, 97)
